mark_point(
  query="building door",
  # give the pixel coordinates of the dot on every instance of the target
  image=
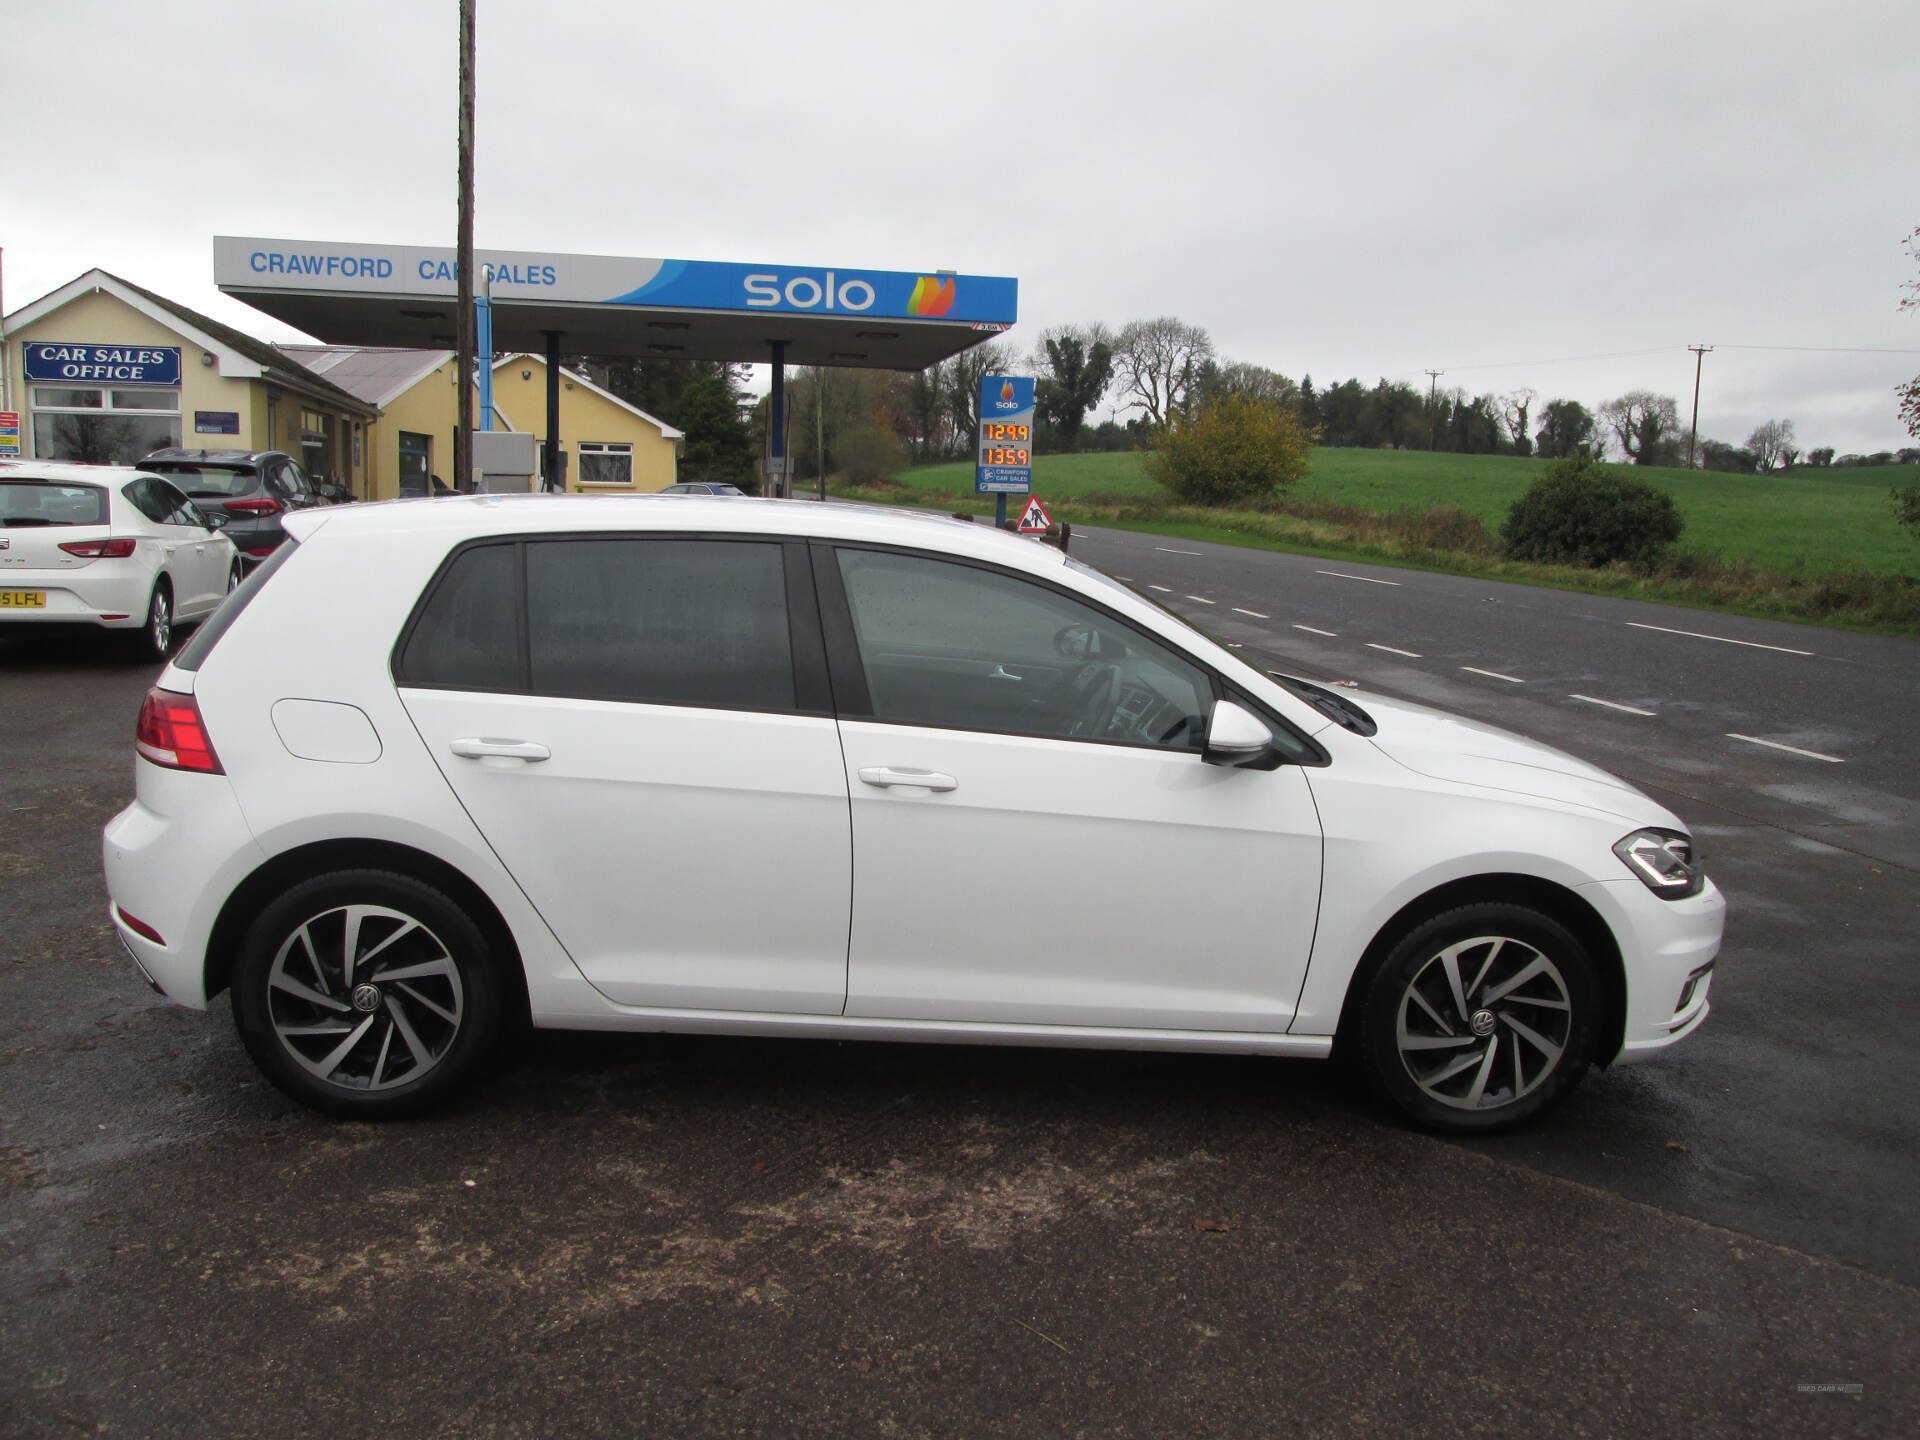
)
(416, 463)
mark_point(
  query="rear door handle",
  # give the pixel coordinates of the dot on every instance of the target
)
(886, 775)
(476, 749)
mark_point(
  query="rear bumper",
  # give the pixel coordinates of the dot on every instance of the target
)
(171, 859)
(85, 595)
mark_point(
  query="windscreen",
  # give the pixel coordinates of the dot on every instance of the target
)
(49, 502)
(206, 479)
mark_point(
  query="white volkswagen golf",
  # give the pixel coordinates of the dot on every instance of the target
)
(754, 768)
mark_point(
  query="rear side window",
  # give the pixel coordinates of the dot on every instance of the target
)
(467, 635)
(660, 621)
(196, 650)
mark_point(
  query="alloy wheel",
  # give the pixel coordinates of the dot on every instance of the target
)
(365, 998)
(1484, 1022)
(160, 623)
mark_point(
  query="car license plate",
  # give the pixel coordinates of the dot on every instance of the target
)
(23, 599)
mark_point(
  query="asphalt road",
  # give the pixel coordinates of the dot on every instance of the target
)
(632, 1235)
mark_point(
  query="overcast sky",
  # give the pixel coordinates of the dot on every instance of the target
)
(1501, 191)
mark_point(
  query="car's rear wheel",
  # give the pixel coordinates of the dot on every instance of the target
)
(1481, 1018)
(155, 641)
(367, 994)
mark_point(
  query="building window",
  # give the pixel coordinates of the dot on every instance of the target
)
(103, 426)
(316, 445)
(605, 464)
(416, 463)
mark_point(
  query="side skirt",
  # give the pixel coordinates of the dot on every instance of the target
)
(940, 1032)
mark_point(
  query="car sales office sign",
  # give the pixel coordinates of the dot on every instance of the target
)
(78, 364)
(1005, 462)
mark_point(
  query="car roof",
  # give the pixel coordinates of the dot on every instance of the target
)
(451, 519)
(217, 457)
(68, 471)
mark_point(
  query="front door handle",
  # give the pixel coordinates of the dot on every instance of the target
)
(477, 749)
(886, 775)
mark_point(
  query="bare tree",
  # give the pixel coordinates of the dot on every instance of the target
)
(1157, 363)
(1647, 425)
(1770, 442)
(964, 372)
(1515, 406)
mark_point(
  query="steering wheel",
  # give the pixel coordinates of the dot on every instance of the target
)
(1095, 688)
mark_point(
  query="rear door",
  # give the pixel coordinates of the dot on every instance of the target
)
(641, 727)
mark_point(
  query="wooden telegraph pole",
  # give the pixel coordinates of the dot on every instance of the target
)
(463, 327)
(1699, 355)
(1433, 408)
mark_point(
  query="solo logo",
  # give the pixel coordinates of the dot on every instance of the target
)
(932, 295)
(803, 292)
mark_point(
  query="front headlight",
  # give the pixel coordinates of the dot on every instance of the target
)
(1664, 861)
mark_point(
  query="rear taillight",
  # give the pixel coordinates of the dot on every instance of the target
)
(260, 549)
(171, 733)
(253, 507)
(99, 549)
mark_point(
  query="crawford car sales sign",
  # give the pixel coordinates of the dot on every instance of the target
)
(103, 364)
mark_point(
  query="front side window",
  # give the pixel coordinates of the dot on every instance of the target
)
(660, 621)
(961, 647)
(605, 464)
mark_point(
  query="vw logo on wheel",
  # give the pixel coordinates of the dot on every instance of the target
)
(366, 998)
(1481, 1023)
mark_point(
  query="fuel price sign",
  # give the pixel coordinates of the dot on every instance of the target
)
(1004, 465)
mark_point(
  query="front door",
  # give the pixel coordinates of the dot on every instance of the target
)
(651, 765)
(1036, 836)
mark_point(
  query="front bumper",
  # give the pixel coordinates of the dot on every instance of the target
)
(1667, 948)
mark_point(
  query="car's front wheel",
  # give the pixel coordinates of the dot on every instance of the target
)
(367, 994)
(1481, 1018)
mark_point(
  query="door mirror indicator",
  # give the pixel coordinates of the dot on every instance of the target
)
(1238, 738)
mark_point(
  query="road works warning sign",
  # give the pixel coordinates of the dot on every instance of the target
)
(1034, 520)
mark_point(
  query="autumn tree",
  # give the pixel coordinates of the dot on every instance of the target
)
(1235, 449)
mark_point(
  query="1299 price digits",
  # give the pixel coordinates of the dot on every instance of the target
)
(1007, 456)
(1006, 432)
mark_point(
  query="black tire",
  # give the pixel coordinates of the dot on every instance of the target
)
(384, 1042)
(154, 642)
(1459, 1062)
(234, 577)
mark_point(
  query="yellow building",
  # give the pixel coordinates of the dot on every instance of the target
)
(104, 371)
(609, 446)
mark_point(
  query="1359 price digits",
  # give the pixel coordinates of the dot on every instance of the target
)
(1006, 456)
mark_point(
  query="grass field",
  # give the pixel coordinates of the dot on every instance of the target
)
(1804, 522)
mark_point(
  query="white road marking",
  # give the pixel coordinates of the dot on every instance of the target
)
(1330, 634)
(1124, 579)
(1614, 705)
(1410, 654)
(1341, 575)
(1493, 674)
(1201, 598)
(1168, 551)
(1254, 613)
(1790, 749)
(1163, 589)
(1724, 640)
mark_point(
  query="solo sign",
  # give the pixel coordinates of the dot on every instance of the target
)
(103, 364)
(1004, 465)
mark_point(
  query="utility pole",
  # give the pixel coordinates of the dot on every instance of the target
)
(1699, 356)
(1433, 408)
(463, 327)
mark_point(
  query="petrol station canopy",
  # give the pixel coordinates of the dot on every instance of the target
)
(405, 295)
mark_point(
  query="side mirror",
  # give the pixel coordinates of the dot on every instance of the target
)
(216, 520)
(1239, 739)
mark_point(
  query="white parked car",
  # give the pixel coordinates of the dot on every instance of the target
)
(109, 547)
(750, 768)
